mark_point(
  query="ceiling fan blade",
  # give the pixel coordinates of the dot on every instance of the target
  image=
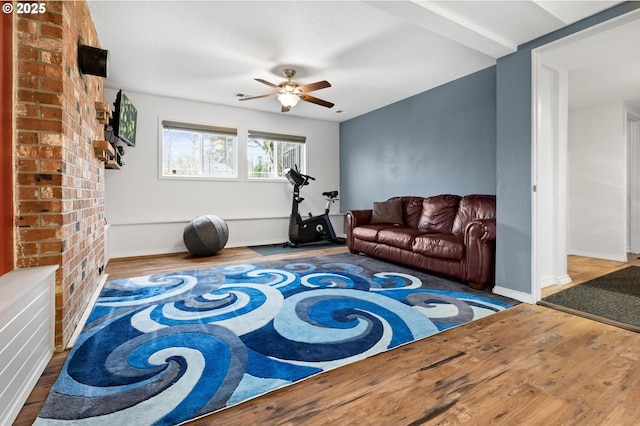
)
(258, 97)
(314, 86)
(285, 108)
(275, 86)
(313, 100)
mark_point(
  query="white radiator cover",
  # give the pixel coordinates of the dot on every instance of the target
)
(27, 333)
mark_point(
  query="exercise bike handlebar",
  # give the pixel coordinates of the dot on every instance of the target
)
(296, 178)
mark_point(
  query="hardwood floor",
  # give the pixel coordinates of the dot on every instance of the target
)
(526, 365)
(582, 269)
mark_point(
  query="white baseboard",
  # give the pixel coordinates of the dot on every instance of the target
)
(514, 294)
(146, 239)
(564, 279)
(555, 280)
(603, 256)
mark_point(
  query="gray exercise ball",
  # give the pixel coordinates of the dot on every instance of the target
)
(205, 235)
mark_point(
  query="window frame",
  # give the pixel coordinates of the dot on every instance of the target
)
(202, 128)
(277, 137)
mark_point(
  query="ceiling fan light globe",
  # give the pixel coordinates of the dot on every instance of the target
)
(288, 99)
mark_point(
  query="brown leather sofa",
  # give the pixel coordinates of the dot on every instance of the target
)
(445, 234)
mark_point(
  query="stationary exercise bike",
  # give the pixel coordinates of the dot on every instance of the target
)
(313, 228)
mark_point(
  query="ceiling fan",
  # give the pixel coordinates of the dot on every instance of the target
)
(290, 92)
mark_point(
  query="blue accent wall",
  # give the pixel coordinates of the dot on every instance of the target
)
(513, 191)
(472, 135)
(437, 142)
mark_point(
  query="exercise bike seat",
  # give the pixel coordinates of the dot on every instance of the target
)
(330, 194)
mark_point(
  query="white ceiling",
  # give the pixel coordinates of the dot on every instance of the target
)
(374, 53)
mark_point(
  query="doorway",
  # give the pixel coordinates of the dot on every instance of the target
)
(553, 65)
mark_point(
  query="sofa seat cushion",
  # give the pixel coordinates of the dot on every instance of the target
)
(400, 236)
(370, 232)
(444, 246)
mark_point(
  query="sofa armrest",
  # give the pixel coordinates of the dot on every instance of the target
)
(358, 218)
(353, 219)
(481, 229)
(479, 241)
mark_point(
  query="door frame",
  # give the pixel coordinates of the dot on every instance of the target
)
(633, 201)
(549, 177)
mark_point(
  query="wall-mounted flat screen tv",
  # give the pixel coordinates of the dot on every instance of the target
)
(125, 118)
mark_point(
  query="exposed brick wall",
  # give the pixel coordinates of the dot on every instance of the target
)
(60, 183)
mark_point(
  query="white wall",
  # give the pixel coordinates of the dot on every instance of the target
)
(597, 184)
(147, 214)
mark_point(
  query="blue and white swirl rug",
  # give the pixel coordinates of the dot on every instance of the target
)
(166, 348)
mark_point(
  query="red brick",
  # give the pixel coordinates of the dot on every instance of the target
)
(27, 53)
(39, 69)
(41, 260)
(38, 206)
(53, 139)
(26, 95)
(39, 124)
(28, 26)
(49, 112)
(51, 220)
(51, 85)
(39, 152)
(27, 249)
(28, 138)
(51, 247)
(37, 42)
(52, 31)
(51, 166)
(39, 179)
(28, 192)
(27, 165)
(39, 234)
(50, 193)
(29, 81)
(27, 110)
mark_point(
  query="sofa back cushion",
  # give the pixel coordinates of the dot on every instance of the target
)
(412, 207)
(390, 211)
(473, 207)
(438, 213)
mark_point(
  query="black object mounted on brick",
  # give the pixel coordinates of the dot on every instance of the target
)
(93, 61)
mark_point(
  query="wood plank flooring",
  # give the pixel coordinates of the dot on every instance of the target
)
(527, 365)
(582, 269)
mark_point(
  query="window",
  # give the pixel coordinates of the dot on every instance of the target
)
(192, 150)
(270, 154)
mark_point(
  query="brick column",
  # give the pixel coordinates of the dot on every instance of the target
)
(59, 182)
